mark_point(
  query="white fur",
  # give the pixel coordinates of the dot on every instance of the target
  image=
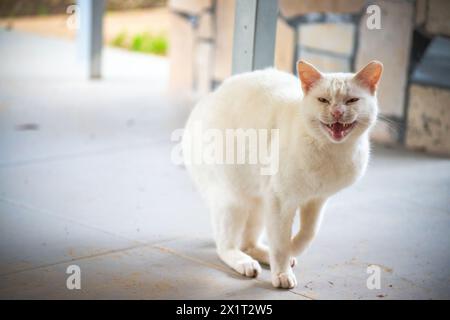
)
(312, 166)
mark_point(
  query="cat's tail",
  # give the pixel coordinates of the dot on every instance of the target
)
(300, 242)
(310, 220)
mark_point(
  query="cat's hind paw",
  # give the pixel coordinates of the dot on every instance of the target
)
(249, 268)
(285, 280)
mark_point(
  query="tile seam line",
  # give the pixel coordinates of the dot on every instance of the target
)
(48, 213)
(86, 257)
(95, 255)
(156, 245)
(214, 266)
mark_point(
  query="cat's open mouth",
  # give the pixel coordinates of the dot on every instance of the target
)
(338, 130)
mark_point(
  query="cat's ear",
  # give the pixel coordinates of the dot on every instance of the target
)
(370, 75)
(308, 75)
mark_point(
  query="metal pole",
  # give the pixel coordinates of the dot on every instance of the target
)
(254, 34)
(90, 35)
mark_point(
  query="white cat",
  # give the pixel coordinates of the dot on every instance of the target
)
(323, 147)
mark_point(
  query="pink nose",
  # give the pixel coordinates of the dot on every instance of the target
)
(337, 113)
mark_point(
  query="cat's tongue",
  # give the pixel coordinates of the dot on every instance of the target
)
(337, 130)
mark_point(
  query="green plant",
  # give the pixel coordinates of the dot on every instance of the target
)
(120, 40)
(159, 45)
(142, 42)
(137, 42)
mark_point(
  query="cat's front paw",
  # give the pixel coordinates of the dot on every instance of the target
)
(249, 268)
(285, 280)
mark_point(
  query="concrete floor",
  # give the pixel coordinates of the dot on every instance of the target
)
(86, 179)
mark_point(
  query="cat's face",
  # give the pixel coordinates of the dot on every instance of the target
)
(339, 106)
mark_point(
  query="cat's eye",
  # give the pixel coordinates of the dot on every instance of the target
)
(352, 100)
(323, 100)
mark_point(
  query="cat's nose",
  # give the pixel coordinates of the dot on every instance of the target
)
(337, 113)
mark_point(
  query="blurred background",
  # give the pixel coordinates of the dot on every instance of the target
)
(412, 43)
(91, 91)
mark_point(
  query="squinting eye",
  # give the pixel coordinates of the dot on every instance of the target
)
(351, 100)
(323, 100)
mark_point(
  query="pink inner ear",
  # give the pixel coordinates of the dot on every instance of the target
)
(308, 75)
(308, 79)
(370, 75)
